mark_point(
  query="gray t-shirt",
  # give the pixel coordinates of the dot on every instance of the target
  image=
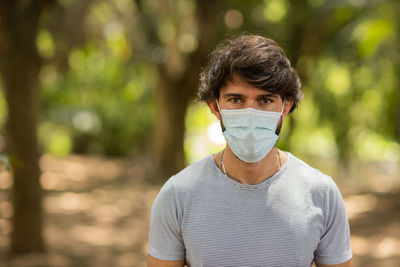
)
(203, 216)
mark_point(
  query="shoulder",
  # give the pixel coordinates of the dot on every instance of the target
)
(317, 188)
(303, 175)
(195, 173)
(307, 173)
(191, 177)
(181, 187)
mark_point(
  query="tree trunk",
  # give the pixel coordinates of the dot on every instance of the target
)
(20, 65)
(170, 125)
(173, 95)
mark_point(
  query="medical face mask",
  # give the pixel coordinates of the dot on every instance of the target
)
(249, 132)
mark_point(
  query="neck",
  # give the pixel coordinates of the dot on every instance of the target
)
(250, 173)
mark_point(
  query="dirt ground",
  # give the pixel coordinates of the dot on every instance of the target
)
(97, 214)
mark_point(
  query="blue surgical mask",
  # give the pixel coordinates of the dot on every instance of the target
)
(250, 133)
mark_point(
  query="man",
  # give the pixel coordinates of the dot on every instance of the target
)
(250, 204)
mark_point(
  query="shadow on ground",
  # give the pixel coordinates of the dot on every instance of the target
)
(97, 214)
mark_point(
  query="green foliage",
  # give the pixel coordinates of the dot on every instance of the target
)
(351, 105)
(275, 10)
(45, 43)
(203, 133)
(56, 138)
(103, 101)
(3, 109)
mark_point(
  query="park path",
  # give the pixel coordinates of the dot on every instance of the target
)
(97, 214)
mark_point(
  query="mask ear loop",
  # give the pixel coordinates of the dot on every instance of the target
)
(278, 129)
(223, 130)
(216, 100)
(220, 114)
(283, 107)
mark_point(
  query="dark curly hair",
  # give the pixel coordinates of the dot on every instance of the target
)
(259, 61)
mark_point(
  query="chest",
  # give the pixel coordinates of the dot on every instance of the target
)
(256, 230)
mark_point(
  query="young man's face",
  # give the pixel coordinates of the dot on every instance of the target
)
(238, 94)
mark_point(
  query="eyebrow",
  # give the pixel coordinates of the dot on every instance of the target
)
(268, 95)
(232, 95)
(243, 96)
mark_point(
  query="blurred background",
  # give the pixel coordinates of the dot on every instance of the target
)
(98, 108)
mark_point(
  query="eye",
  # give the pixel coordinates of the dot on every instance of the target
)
(265, 100)
(234, 100)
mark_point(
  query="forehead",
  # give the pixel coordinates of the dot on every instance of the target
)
(238, 86)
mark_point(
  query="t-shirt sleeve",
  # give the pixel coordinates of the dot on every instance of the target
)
(165, 238)
(334, 246)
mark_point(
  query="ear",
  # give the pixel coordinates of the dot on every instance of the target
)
(286, 109)
(214, 109)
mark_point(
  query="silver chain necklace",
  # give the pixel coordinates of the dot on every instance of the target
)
(222, 163)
